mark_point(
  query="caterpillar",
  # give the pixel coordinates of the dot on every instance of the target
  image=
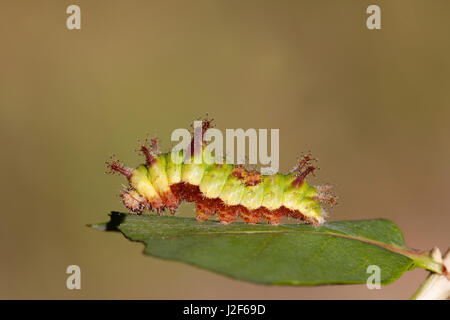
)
(227, 190)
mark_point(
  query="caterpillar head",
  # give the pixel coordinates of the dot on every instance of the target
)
(134, 202)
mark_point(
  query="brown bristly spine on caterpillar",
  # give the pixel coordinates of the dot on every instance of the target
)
(116, 167)
(206, 124)
(303, 169)
(150, 153)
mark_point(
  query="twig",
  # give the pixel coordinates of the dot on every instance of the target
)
(436, 286)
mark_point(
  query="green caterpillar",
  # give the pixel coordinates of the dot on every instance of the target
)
(165, 180)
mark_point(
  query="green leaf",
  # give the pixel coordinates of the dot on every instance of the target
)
(292, 254)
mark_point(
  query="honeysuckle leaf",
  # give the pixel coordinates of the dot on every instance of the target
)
(337, 252)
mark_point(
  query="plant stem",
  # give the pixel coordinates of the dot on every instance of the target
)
(436, 286)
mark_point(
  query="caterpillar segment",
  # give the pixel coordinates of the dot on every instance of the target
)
(229, 191)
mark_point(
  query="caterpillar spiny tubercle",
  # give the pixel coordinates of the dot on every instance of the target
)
(228, 190)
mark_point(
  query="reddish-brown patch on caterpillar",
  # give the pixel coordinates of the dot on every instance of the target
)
(228, 214)
(239, 172)
(186, 192)
(170, 201)
(251, 178)
(298, 215)
(207, 208)
(251, 216)
(272, 216)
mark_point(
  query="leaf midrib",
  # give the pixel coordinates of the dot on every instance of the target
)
(390, 247)
(420, 258)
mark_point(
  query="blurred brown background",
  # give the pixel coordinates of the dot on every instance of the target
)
(373, 106)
